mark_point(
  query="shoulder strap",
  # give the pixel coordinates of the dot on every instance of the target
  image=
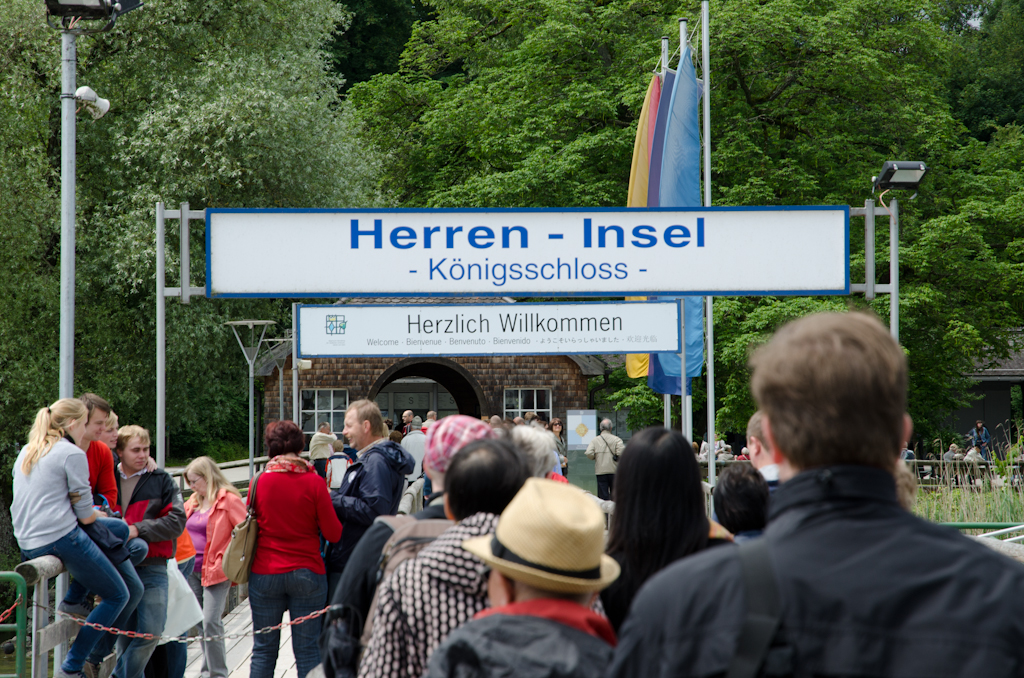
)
(764, 609)
(251, 499)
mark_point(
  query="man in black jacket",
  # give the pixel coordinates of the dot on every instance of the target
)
(372, 487)
(866, 588)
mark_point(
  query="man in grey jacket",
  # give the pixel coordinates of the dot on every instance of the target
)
(605, 449)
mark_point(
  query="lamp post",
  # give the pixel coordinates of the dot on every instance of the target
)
(250, 352)
(70, 15)
(906, 175)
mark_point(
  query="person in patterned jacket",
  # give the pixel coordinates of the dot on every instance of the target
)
(429, 596)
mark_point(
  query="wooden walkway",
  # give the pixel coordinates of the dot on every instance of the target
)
(239, 650)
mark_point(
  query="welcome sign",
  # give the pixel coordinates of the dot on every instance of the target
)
(540, 252)
(488, 329)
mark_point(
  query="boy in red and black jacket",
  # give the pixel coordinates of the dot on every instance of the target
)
(151, 505)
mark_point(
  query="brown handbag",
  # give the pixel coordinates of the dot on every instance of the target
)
(238, 556)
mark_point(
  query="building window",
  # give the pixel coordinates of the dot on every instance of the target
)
(324, 404)
(519, 401)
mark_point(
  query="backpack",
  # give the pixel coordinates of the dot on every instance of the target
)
(410, 537)
(337, 465)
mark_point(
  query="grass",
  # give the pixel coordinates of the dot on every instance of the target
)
(959, 505)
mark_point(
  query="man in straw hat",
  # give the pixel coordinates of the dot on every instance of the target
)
(547, 566)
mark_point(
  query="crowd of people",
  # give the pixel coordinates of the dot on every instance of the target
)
(809, 564)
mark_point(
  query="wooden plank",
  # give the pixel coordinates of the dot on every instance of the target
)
(106, 667)
(56, 633)
(43, 567)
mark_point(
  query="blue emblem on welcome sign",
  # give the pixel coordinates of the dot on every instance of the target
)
(336, 324)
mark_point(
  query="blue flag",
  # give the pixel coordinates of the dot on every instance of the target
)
(680, 169)
(663, 375)
(675, 182)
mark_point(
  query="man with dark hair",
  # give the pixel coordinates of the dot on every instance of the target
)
(372, 487)
(428, 596)
(741, 501)
(101, 460)
(980, 438)
(844, 582)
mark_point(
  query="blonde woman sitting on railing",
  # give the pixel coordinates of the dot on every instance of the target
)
(51, 498)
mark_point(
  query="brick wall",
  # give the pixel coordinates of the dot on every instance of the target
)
(492, 373)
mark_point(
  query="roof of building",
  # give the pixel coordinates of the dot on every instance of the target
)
(1010, 368)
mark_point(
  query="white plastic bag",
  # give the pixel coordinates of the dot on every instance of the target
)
(183, 610)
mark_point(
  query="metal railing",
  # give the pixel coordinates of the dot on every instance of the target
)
(19, 625)
(49, 635)
(243, 485)
(932, 471)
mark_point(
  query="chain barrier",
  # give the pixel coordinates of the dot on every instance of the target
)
(7, 613)
(175, 639)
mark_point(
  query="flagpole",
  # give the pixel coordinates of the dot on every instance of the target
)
(705, 53)
(683, 35)
(664, 57)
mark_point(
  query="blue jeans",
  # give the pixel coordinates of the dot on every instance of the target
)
(177, 653)
(86, 563)
(149, 617)
(138, 549)
(300, 592)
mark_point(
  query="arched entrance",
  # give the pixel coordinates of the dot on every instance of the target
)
(456, 380)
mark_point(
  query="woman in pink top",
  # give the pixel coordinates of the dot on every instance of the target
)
(213, 510)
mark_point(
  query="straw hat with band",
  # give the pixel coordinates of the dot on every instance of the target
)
(550, 536)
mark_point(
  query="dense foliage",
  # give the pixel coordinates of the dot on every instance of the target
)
(496, 103)
(227, 104)
(504, 103)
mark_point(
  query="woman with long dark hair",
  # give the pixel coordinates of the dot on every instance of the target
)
(558, 428)
(660, 513)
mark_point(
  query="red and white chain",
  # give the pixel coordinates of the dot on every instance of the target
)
(175, 639)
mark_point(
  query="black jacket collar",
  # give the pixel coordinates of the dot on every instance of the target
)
(831, 484)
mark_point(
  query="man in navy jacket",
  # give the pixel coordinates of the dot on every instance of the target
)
(372, 487)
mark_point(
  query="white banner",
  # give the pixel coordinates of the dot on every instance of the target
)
(488, 329)
(541, 252)
(580, 428)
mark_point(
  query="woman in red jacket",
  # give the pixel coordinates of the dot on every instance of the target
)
(214, 508)
(293, 508)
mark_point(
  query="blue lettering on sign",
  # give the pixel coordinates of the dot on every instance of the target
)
(376, 232)
(609, 236)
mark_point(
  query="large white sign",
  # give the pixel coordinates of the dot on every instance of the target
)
(541, 252)
(488, 329)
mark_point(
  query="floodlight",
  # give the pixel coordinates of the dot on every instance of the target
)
(899, 174)
(105, 10)
(86, 9)
(96, 105)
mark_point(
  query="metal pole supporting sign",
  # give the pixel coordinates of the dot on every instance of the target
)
(251, 352)
(184, 292)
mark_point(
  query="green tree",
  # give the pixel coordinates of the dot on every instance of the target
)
(223, 105)
(374, 41)
(987, 86)
(503, 103)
